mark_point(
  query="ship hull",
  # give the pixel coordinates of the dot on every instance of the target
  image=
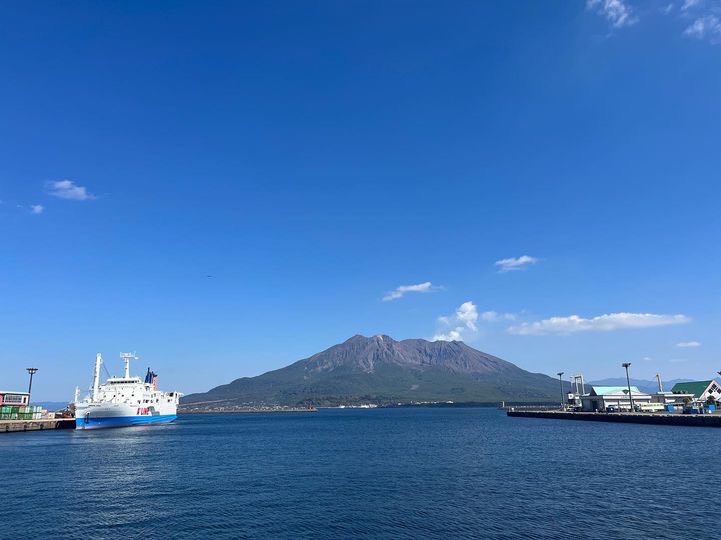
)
(100, 422)
(97, 416)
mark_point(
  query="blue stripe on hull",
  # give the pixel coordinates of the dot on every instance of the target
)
(121, 421)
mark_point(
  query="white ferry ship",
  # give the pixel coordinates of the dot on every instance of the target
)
(125, 401)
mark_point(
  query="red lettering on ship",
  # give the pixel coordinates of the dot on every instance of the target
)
(143, 411)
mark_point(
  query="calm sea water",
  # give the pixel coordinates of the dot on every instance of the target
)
(384, 473)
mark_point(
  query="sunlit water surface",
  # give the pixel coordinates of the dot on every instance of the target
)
(383, 473)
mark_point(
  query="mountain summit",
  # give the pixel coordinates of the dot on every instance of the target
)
(381, 370)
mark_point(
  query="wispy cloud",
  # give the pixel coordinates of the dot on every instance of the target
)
(462, 323)
(515, 263)
(701, 18)
(706, 27)
(67, 189)
(400, 291)
(617, 12)
(32, 208)
(603, 323)
(494, 316)
(688, 344)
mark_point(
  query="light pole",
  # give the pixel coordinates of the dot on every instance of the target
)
(628, 381)
(32, 371)
(560, 381)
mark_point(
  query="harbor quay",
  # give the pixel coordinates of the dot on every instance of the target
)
(16, 414)
(666, 419)
(10, 426)
(688, 403)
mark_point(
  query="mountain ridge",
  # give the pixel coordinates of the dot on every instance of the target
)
(381, 370)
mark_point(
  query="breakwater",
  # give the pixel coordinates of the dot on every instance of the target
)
(697, 420)
(9, 426)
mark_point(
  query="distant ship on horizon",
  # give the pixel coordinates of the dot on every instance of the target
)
(125, 401)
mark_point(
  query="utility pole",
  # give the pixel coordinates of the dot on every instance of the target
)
(628, 381)
(32, 371)
(560, 380)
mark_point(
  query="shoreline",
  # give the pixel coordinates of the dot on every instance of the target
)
(249, 410)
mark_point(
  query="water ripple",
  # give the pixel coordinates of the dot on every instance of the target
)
(401, 474)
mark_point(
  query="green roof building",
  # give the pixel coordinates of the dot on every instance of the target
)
(701, 390)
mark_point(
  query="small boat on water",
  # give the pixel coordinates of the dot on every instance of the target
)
(125, 401)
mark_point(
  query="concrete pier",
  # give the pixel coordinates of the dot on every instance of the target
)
(697, 420)
(8, 426)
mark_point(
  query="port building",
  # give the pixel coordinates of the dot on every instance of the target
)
(700, 390)
(600, 398)
(14, 399)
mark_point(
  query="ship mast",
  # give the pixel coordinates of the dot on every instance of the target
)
(96, 376)
(126, 356)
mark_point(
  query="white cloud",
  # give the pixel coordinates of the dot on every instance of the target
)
(462, 325)
(602, 323)
(398, 292)
(67, 189)
(464, 319)
(36, 208)
(515, 263)
(493, 316)
(688, 344)
(708, 26)
(467, 313)
(617, 12)
(688, 4)
(452, 335)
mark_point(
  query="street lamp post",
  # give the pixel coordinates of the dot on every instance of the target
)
(628, 382)
(32, 371)
(560, 381)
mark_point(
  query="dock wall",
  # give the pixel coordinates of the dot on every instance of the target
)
(9, 426)
(697, 420)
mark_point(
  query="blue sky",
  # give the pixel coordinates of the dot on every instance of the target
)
(229, 187)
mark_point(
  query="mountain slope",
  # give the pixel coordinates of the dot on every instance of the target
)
(381, 370)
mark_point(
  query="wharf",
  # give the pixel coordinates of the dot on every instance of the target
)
(698, 420)
(8, 426)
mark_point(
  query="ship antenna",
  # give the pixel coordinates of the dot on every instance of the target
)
(127, 357)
